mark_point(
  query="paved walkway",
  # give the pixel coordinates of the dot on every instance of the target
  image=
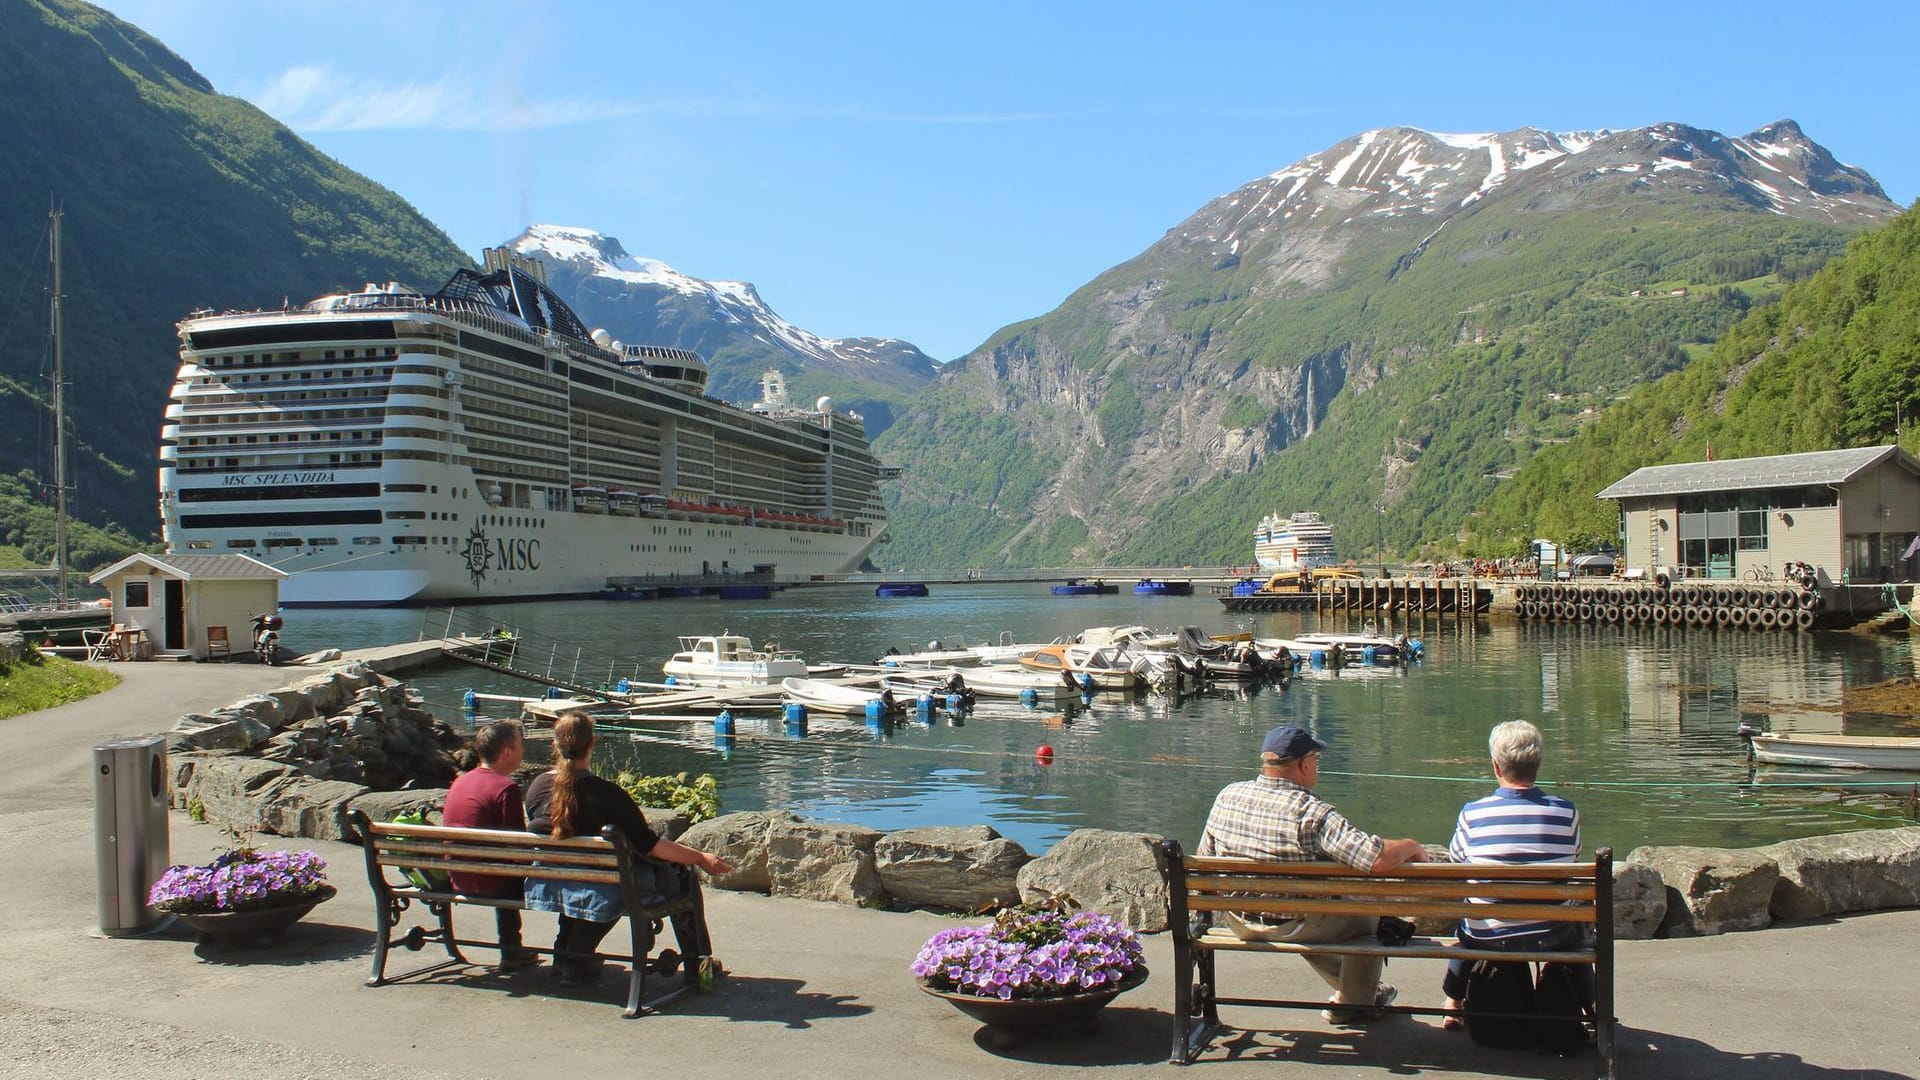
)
(817, 990)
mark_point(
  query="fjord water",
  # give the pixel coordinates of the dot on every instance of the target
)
(1640, 722)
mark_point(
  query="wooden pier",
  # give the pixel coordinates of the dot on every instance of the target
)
(1458, 598)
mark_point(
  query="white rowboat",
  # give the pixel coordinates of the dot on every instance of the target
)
(1837, 751)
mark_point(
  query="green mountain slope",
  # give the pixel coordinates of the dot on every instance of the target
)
(1835, 363)
(176, 197)
(1396, 323)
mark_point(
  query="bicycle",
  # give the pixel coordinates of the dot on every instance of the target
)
(1760, 573)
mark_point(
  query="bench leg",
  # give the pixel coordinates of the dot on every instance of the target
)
(386, 915)
(642, 936)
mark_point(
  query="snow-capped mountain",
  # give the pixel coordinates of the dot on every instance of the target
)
(645, 301)
(1408, 173)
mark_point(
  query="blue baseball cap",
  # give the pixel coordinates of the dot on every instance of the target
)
(1288, 742)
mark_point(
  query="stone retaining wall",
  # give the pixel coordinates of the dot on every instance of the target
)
(263, 764)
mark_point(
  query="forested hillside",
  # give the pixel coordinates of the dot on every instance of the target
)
(176, 197)
(1835, 363)
(1380, 332)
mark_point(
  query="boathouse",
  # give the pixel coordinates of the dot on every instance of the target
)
(201, 605)
(1852, 514)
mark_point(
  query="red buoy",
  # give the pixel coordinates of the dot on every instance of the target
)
(1044, 755)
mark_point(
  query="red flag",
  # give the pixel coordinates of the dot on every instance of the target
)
(1709, 449)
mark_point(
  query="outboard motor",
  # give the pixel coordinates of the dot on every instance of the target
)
(266, 638)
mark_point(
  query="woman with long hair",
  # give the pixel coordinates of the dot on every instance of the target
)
(570, 801)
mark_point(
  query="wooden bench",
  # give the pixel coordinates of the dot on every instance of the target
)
(1199, 887)
(607, 859)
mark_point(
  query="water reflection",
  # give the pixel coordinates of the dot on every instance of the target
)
(1640, 721)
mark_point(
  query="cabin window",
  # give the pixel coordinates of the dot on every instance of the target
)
(137, 593)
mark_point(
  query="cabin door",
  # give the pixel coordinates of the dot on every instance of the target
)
(174, 593)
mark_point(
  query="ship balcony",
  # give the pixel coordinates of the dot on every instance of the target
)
(168, 453)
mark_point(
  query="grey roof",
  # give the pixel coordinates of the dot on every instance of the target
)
(193, 567)
(1743, 474)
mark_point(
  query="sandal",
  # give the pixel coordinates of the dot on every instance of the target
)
(1452, 1023)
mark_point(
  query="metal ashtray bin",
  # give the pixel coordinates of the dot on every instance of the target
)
(130, 841)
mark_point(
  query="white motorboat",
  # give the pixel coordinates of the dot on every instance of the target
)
(819, 695)
(934, 655)
(1137, 637)
(1837, 751)
(1012, 681)
(1005, 650)
(728, 660)
(1354, 646)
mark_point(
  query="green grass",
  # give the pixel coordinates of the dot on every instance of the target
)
(41, 682)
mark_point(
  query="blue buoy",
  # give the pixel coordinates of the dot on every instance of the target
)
(1416, 646)
(955, 701)
(1367, 654)
(876, 709)
(723, 724)
(1318, 657)
(468, 701)
(796, 713)
(923, 704)
(554, 692)
(671, 681)
(1029, 697)
(1086, 683)
(621, 686)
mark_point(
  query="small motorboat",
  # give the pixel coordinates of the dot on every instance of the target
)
(1154, 587)
(819, 695)
(901, 588)
(934, 655)
(1084, 587)
(1836, 751)
(1013, 681)
(1005, 650)
(725, 660)
(941, 686)
(1099, 667)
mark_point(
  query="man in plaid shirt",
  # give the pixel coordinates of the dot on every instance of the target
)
(1276, 817)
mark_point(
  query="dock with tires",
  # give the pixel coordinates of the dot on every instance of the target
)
(1702, 604)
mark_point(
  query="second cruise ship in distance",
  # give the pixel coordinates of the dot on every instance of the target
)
(480, 443)
(1299, 542)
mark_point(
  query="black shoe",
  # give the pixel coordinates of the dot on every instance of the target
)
(580, 972)
(513, 958)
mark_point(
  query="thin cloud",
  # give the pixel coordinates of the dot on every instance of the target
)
(316, 97)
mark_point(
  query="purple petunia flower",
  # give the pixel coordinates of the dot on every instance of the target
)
(1025, 953)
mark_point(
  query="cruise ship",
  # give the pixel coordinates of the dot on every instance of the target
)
(1300, 542)
(480, 443)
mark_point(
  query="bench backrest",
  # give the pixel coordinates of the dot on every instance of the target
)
(1556, 892)
(495, 852)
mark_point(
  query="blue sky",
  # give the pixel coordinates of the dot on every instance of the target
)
(934, 172)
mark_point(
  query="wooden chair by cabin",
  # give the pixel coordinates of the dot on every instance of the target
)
(99, 644)
(218, 646)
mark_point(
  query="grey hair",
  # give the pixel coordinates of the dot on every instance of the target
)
(1516, 746)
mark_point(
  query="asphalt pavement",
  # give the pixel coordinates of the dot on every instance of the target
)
(814, 990)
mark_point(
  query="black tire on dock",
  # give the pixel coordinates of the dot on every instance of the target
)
(1813, 600)
(1768, 618)
(1659, 616)
(1645, 611)
(1610, 612)
(1738, 596)
(1803, 619)
(1737, 618)
(1723, 616)
(1676, 614)
(1584, 612)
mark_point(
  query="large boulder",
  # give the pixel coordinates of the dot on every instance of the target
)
(960, 868)
(229, 789)
(303, 806)
(1115, 873)
(1852, 871)
(221, 731)
(824, 860)
(1639, 901)
(13, 647)
(384, 805)
(262, 708)
(295, 706)
(741, 839)
(1711, 890)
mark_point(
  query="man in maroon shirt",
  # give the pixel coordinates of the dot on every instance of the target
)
(487, 798)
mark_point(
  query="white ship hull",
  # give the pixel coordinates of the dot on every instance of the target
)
(1302, 542)
(481, 444)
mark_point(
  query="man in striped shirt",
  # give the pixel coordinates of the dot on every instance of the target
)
(1518, 823)
(1276, 817)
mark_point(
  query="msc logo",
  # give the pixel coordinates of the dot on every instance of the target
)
(504, 554)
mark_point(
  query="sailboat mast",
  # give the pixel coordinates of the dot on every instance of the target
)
(59, 419)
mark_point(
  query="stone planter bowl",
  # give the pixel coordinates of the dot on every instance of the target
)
(258, 928)
(1008, 1020)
